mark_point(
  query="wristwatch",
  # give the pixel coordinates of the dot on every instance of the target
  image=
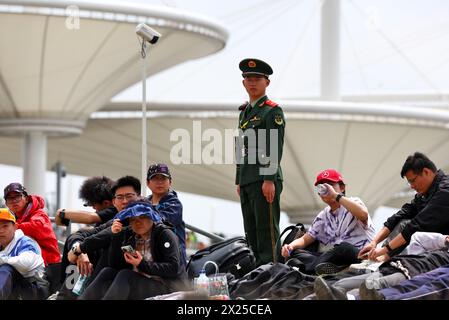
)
(64, 221)
(75, 249)
(338, 197)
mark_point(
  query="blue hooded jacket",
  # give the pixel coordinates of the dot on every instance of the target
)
(170, 209)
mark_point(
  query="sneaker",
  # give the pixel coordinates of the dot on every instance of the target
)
(54, 296)
(367, 266)
(369, 294)
(328, 268)
(324, 291)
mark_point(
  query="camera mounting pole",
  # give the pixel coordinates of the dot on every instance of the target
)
(152, 36)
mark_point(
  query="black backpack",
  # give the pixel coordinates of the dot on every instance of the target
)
(294, 232)
(231, 255)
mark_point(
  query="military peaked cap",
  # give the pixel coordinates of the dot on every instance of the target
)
(255, 66)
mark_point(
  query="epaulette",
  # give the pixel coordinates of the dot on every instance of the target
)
(271, 103)
(243, 106)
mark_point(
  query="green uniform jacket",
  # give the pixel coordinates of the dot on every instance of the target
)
(265, 114)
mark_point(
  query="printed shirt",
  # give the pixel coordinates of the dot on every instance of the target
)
(331, 228)
(145, 250)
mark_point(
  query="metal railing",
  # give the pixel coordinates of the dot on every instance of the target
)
(188, 226)
(204, 233)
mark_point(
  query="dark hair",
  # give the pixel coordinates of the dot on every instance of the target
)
(127, 181)
(96, 190)
(139, 200)
(417, 162)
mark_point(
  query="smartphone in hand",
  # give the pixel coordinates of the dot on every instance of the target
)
(130, 250)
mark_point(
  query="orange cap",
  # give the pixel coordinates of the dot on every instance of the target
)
(5, 214)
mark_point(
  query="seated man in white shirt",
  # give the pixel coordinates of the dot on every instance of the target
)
(342, 229)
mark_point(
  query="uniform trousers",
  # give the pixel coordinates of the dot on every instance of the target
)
(261, 232)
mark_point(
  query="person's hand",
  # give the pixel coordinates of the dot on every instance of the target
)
(286, 250)
(331, 193)
(85, 268)
(268, 190)
(134, 260)
(73, 258)
(377, 252)
(238, 190)
(366, 249)
(116, 226)
(383, 258)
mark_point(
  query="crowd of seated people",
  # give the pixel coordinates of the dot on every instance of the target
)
(136, 247)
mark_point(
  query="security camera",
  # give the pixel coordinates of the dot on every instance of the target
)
(147, 33)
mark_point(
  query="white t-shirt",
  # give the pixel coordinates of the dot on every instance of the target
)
(331, 228)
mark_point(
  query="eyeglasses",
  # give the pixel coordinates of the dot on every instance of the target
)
(128, 196)
(14, 198)
(412, 181)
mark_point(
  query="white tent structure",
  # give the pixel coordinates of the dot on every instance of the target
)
(60, 62)
(367, 143)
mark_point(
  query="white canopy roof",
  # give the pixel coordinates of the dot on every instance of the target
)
(366, 143)
(52, 68)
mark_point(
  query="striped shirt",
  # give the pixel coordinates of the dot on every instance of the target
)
(331, 228)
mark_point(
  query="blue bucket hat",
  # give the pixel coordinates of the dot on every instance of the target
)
(139, 208)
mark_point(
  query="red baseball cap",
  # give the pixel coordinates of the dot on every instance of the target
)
(328, 175)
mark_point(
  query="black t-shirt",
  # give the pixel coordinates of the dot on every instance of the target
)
(106, 215)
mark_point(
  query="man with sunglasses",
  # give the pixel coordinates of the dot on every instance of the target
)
(427, 212)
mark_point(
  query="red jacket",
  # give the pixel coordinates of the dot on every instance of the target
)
(35, 223)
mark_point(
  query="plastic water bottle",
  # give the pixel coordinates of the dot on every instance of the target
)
(202, 283)
(321, 189)
(80, 285)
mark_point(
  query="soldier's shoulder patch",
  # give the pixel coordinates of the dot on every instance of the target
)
(278, 119)
(243, 106)
(271, 103)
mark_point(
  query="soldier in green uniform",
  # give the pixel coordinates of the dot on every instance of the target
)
(259, 152)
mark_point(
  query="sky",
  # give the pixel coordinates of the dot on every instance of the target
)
(385, 48)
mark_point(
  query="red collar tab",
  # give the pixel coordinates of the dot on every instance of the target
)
(271, 103)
